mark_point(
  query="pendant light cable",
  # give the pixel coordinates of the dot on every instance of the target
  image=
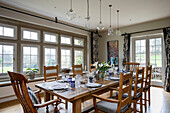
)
(110, 14)
(100, 11)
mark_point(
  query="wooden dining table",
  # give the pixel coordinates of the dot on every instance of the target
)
(76, 95)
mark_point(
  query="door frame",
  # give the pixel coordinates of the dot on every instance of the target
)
(147, 38)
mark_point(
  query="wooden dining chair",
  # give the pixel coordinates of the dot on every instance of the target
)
(147, 85)
(56, 74)
(137, 89)
(26, 96)
(51, 68)
(92, 67)
(120, 105)
(77, 69)
(131, 66)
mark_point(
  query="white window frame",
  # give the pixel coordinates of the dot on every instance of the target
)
(14, 55)
(79, 39)
(79, 49)
(67, 37)
(9, 26)
(50, 47)
(31, 30)
(67, 48)
(28, 45)
(55, 34)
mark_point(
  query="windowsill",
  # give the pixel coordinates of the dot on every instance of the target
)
(8, 83)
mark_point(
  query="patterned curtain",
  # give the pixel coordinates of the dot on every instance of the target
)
(126, 48)
(167, 51)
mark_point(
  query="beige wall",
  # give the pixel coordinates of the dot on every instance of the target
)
(134, 28)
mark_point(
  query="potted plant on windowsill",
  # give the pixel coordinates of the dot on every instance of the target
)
(31, 72)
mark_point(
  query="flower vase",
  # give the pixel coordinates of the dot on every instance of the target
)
(102, 75)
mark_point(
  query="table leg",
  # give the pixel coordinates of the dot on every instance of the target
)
(46, 96)
(77, 106)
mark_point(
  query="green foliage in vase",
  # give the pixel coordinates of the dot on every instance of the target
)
(28, 70)
(103, 67)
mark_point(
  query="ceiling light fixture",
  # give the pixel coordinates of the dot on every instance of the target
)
(87, 22)
(110, 29)
(118, 29)
(71, 14)
(100, 26)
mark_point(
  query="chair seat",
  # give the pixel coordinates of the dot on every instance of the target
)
(132, 95)
(50, 109)
(139, 85)
(108, 107)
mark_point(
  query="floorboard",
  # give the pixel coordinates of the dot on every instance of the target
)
(160, 103)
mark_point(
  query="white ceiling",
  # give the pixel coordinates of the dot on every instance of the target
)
(131, 11)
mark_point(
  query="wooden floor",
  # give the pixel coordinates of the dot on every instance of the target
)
(160, 103)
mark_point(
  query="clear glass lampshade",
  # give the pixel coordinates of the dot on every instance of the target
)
(100, 26)
(110, 30)
(71, 14)
(118, 32)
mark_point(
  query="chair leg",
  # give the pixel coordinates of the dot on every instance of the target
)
(141, 105)
(134, 106)
(95, 107)
(149, 98)
(145, 101)
(66, 105)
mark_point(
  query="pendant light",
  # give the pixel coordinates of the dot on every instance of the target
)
(118, 29)
(71, 14)
(110, 30)
(87, 22)
(100, 26)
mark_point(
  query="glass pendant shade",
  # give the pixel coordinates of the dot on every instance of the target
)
(100, 26)
(118, 32)
(71, 14)
(110, 30)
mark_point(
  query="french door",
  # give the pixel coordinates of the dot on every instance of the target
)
(146, 50)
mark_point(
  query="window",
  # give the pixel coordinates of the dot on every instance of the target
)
(50, 56)
(29, 34)
(7, 31)
(6, 58)
(149, 49)
(66, 60)
(156, 52)
(78, 57)
(30, 57)
(78, 42)
(53, 38)
(140, 54)
(66, 39)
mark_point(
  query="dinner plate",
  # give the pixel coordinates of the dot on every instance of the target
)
(93, 85)
(115, 78)
(58, 87)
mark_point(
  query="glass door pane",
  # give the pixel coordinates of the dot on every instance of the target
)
(156, 58)
(140, 52)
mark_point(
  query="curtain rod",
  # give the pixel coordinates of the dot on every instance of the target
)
(56, 21)
(145, 31)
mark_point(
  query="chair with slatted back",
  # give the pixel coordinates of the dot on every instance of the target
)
(92, 68)
(77, 69)
(120, 105)
(55, 73)
(138, 89)
(131, 66)
(147, 85)
(18, 82)
(51, 68)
